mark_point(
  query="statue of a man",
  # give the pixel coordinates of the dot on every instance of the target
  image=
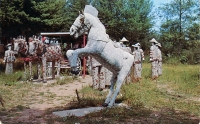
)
(153, 58)
(137, 62)
(9, 58)
(159, 59)
(101, 76)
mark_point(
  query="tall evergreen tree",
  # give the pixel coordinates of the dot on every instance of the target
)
(28, 17)
(126, 18)
(73, 8)
(177, 17)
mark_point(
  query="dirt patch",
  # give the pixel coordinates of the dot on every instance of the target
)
(43, 97)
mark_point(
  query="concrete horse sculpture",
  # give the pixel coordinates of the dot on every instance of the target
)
(46, 53)
(21, 47)
(102, 48)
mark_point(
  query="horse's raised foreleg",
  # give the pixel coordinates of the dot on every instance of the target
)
(73, 55)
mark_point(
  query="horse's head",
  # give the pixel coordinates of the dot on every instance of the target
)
(33, 45)
(20, 45)
(17, 45)
(78, 27)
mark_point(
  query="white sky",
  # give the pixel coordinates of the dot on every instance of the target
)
(158, 3)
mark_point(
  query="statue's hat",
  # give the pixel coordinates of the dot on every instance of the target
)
(138, 44)
(135, 45)
(91, 10)
(159, 44)
(124, 40)
(153, 41)
(9, 44)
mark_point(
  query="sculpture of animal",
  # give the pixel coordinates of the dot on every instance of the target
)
(102, 48)
(21, 47)
(46, 53)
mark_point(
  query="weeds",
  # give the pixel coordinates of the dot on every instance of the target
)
(172, 98)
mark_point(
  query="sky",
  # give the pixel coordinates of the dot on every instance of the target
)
(158, 3)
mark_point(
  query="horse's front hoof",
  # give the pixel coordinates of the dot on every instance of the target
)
(105, 104)
(44, 81)
(75, 72)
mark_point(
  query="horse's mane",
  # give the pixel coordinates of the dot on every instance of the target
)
(95, 20)
(95, 24)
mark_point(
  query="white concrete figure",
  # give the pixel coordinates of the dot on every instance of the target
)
(137, 63)
(101, 48)
(153, 58)
(159, 59)
(100, 75)
(141, 51)
(123, 45)
(46, 53)
(9, 59)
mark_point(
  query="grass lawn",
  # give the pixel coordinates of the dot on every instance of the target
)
(172, 98)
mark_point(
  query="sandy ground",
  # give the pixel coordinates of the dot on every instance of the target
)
(46, 97)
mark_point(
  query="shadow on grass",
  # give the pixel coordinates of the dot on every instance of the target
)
(114, 115)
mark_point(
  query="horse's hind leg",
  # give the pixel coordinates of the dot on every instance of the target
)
(58, 68)
(108, 98)
(120, 79)
(30, 70)
(44, 67)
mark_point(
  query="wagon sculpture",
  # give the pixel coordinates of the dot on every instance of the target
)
(34, 51)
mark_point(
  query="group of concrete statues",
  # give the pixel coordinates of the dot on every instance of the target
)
(35, 49)
(102, 76)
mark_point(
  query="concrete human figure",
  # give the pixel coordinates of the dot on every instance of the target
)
(159, 59)
(153, 58)
(141, 51)
(100, 75)
(9, 59)
(137, 62)
(123, 42)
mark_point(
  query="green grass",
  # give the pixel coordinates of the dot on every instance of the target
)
(172, 98)
(174, 95)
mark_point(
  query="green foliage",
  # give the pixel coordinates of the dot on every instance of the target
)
(7, 80)
(73, 8)
(177, 27)
(178, 86)
(127, 18)
(31, 17)
(64, 80)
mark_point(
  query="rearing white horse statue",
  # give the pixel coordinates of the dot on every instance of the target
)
(102, 48)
